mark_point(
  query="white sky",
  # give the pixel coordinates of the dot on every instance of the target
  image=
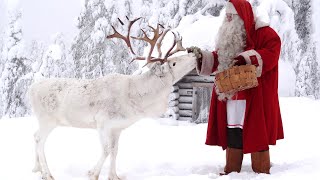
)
(44, 18)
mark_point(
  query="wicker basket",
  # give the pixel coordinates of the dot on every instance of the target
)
(236, 78)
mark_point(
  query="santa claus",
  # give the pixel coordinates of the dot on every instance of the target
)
(249, 120)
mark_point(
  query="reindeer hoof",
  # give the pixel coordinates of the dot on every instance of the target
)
(47, 177)
(90, 173)
(113, 177)
(117, 178)
(92, 176)
(36, 169)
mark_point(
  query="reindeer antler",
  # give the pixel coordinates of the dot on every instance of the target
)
(156, 40)
(178, 43)
(152, 42)
(179, 47)
(125, 38)
(159, 43)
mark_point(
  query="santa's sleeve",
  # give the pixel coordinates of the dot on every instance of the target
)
(267, 57)
(208, 64)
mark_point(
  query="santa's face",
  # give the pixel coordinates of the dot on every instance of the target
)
(229, 16)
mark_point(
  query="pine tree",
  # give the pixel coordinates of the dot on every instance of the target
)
(93, 54)
(54, 62)
(1, 54)
(308, 77)
(303, 22)
(302, 50)
(87, 54)
(2, 60)
(35, 52)
(118, 52)
(96, 56)
(171, 11)
(306, 69)
(12, 89)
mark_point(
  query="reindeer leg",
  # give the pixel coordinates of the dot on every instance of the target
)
(95, 172)
(36, 167)
(40, 155)
(109, 139)
(114, 141)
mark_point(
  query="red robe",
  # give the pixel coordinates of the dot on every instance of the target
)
(262, 125)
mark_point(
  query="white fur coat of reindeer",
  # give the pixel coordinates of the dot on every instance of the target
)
(108, 104)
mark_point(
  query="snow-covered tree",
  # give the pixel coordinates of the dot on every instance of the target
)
(170, 12)
(93, 54)
(1, 55)
(12, 88)
(307, 65)
(303, 21)
(308, 77)
(86, 53)
(316, 35)
(293, 22)
(117, 51)
(35, 52)
(54, 61)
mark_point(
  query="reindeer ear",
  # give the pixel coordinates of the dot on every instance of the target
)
(152, 65)
(149, 66)
(157, 68)
(165, 67)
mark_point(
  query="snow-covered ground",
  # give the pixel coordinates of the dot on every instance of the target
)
(161, 149)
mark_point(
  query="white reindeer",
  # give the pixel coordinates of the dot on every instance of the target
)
(108, 104)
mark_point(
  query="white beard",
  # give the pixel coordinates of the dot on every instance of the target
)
(231, 40)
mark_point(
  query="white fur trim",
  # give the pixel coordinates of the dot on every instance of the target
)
(260, 23)
(261, 18)
(207, 63)
(230, 8)
(252, 52)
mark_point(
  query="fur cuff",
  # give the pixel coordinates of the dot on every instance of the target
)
(207, 64)
(254, 58)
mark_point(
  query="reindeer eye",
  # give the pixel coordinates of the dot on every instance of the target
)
(174, 64)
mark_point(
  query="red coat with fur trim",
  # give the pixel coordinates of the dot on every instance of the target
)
(262, 125)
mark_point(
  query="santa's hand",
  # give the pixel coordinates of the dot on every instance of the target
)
(196, 51)
(239, 60)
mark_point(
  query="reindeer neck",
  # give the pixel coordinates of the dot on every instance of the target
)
(156, 81)
(151, 84)
(151, 92)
